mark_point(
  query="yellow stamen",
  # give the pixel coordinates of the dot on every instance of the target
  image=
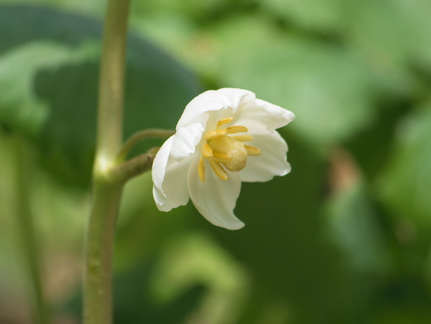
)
(243, 138)
(218, 170)
(207, 151)
(219, 133)
(236, 129)
(224, 152)
(251, 150)
(224, 121)
(201, 169)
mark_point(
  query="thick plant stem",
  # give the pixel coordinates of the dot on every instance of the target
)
(106, 195)
(99, 252)
(111, 86)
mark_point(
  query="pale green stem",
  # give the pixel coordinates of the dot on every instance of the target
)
(106, 190)
(111, 83)
(136, 166)
(139, 136)
(29, 237)
(99, 252)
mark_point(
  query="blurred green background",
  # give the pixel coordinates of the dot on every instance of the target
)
(344, 238)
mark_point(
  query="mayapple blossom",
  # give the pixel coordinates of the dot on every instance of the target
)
(223, 138)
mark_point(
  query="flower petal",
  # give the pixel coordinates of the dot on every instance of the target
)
(271, 162)
(197, 109)
(185, 141)
(169, 178)
(261, 116)
(215, 199)
(237, 97)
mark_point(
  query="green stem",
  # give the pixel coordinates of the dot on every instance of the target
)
(29, 236)
(111, 86)
(134, 167)
(99, 253)
(106, 191)
(139, 136)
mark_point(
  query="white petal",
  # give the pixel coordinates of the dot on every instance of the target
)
(169, 178)
(237, 97)
(197, 109)
(215, 199)
(161, 161)
(261, 116)
(271, 162)
(185, 141)
(202, 112)
(280, 116)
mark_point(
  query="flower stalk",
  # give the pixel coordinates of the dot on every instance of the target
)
(134, 167)
(139, 136)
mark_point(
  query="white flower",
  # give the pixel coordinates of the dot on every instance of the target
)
(224, 137)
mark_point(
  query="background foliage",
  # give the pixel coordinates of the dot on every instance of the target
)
(344, 238)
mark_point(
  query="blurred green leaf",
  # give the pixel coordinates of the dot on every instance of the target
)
(134, 303)
(405, 185)
(310, 14)
(52, 58)
(194, 258)
(392, 35)
(19, 105)
(192, 8)
(330, 90)
(354, 226)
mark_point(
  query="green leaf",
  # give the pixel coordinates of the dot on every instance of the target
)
(353, 225)
(406, 183)
(330, 90)
(309, 14)
(192, 8)
(20, 106)
(49, 63)
(392, 35)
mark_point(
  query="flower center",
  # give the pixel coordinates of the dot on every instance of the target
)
(225, 151)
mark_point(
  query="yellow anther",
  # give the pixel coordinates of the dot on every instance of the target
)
(201, 169)
(243, 138)
(236, 129)
(219, 133)
(224, 121)
(218, 170)
(207, 151)
(251, 150)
